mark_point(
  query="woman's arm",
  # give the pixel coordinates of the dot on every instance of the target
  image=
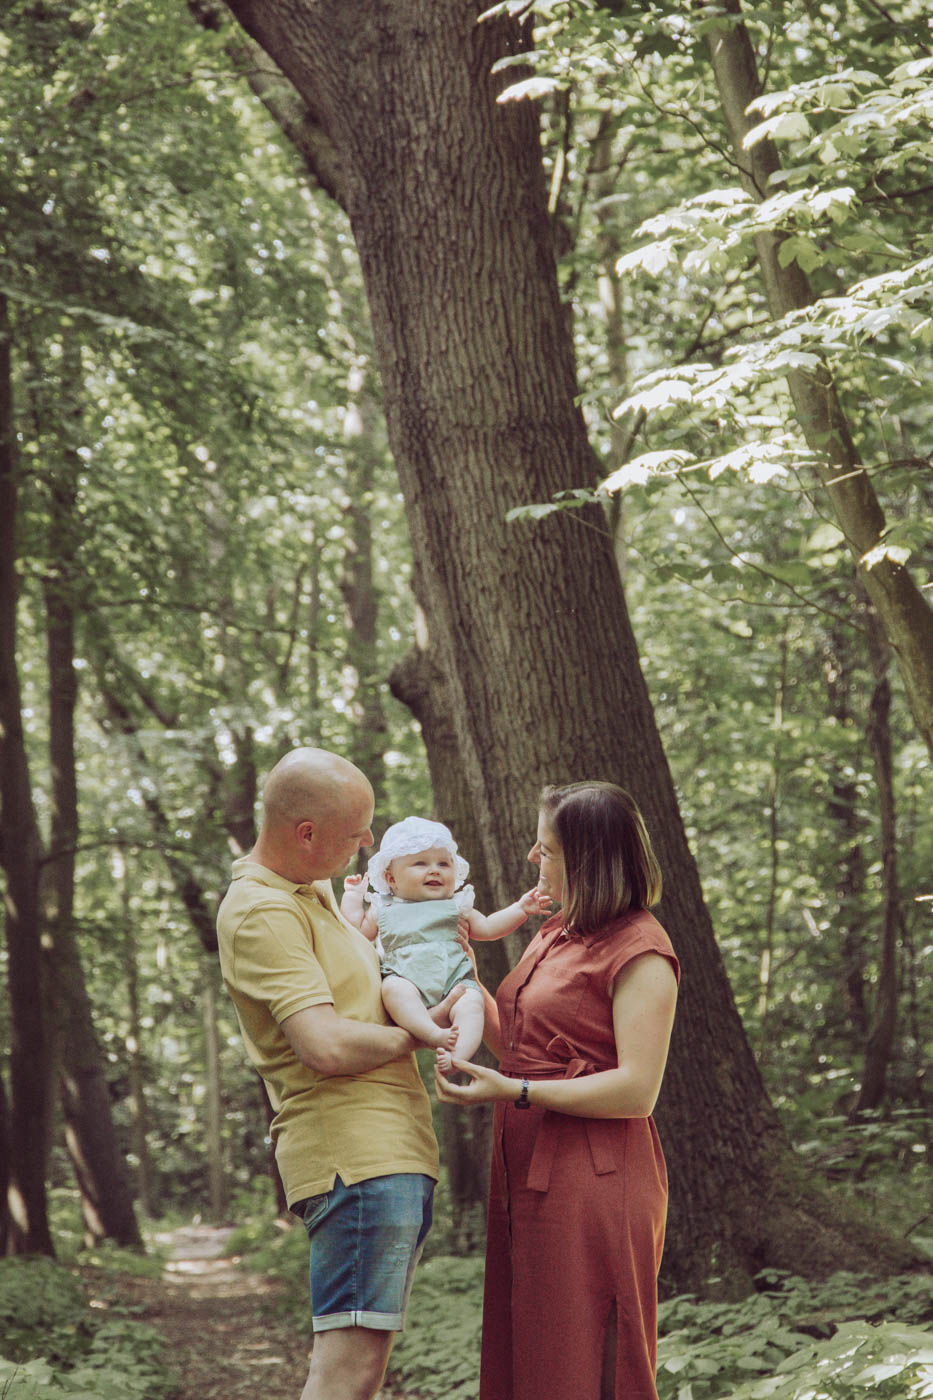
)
(643, 1001)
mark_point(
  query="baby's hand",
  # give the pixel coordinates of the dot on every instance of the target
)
(536, 902)
(352, 881)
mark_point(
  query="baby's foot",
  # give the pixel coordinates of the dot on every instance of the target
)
(445, 1058)
(446, 1052)
(441, 1012)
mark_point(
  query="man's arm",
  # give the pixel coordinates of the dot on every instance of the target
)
(331, 1044)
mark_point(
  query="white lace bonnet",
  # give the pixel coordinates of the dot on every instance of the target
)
(408, 838)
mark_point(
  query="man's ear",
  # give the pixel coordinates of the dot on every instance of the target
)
(305, 831)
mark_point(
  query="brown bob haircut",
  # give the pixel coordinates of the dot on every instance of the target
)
(609, 866)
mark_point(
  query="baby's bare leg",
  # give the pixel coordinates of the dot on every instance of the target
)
(468, 1017)
(440, 1014)
(403, 1002)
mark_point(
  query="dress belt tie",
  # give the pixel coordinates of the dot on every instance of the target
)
(602, 1134)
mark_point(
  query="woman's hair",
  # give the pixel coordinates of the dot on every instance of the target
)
(609, 866)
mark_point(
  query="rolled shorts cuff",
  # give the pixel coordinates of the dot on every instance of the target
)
(378, 1322)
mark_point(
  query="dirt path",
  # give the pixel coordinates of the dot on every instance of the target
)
(225, 1341)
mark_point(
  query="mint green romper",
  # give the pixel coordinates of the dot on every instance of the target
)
(419, 941)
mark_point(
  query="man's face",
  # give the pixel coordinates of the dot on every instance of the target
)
(336, 840)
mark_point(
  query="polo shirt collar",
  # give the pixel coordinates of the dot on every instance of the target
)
(246, 867)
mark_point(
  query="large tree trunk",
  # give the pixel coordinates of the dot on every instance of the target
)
(20, 855)
(444, 192)
(905, 615)
(419, 683)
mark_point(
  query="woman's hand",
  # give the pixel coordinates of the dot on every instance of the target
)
(486, 1085)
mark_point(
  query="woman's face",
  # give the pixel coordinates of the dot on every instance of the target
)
(547, 855)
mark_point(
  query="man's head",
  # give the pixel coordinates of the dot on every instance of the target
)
(317, 808)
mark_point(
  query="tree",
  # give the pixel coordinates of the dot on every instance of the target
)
(27, 1122)
(445, 198)
(904, 612)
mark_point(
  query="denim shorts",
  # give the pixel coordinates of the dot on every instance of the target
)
(365, 1242)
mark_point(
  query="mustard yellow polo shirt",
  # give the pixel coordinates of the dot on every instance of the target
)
(283, 948)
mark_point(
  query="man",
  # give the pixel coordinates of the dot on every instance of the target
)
(352, 1130)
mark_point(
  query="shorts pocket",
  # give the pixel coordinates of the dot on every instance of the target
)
(311, 1209)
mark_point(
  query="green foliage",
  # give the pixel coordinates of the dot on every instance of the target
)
(438, 1353)
(794, 1341)
(798, 1341)
(54, 1345)
(40, 1304)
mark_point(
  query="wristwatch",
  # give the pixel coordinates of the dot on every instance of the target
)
(522, 1100)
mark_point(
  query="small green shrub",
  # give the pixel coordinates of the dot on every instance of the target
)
(53, 1345)
(41, 1308)
(801, 1341)
(438, 1353)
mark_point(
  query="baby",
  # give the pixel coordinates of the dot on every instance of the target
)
(417, 903)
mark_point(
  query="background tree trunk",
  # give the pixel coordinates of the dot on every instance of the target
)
(419, 683)
(445, 197)
(883, 1026)
(905, 615)
(20, 854)
(99, 1165)
(139, 1118)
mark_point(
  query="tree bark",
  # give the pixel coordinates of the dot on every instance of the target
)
(361, 677)
(98, 1163)
(419, 683)
(905, 615)
(445, 195)
(838, 667)
(20, 855)
(139, 1118)
(883, 1026)
(217, 1185)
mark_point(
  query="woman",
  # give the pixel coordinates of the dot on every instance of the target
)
(578, 1195)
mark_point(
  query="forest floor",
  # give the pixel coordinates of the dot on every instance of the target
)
(225, 1341)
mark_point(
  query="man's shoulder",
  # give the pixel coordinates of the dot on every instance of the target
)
(254, 888)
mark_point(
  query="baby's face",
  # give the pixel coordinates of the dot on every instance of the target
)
(427, 875)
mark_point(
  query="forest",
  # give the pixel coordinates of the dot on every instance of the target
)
(497, 395)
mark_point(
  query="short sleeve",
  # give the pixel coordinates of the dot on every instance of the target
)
(465, 898)
(645, 936)
(274, 962)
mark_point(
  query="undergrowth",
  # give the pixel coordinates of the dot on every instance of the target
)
(52, 1344)
(843, 1339)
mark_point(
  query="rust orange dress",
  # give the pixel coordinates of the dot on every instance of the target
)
(577, 1206)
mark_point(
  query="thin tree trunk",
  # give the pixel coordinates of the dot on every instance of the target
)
(446, 201)
(774, 823)
(905, 615)
(418, 683)
(358, 587)
(217, 1186)
(843, 812)
(883, 1027)
(99, 1166)
(139, 1118)
(20, 854)
(4, 1170)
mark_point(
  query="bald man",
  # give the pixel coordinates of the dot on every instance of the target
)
(352, 1129)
